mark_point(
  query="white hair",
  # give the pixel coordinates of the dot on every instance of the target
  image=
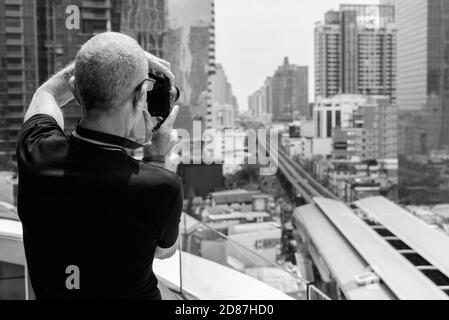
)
(106, 69)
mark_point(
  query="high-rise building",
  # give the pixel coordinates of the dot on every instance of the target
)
(267, 95)
(222, 91)
(260, 103)
(327, 56)
(18, 70)
(256, 104)
(58, 45)
(144, 21)
(284, 96)
(355, 51)
(222, 88)
(189, 45)
(372, 134)
(423, 75)
(423, 98)
(290, 92)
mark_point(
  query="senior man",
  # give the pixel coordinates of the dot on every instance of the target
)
(93, 217)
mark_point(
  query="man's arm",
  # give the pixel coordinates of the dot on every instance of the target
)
(168, 243)
(160, 146)
(52, 95)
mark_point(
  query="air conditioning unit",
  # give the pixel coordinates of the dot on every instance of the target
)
(368, 278)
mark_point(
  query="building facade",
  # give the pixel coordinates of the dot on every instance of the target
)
(355, 51)
(190, 48)
(284, 96)
(363, 126)
(19, 74)
(373, 134)
(423, 75)
(327, 56)
(224, 103)
(290, 92)
(423, 98)
(222, 89)
(335, 112)
(256, 104)
(224, 117)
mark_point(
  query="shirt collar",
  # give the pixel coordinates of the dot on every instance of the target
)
(105, 139)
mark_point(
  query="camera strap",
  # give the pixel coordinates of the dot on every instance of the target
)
(107, 138)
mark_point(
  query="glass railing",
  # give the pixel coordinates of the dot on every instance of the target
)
(208, 266)
(12, 281)
(213, 266)
(314, 293)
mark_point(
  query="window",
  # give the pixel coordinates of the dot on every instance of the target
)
(12, 7)
(13, 22)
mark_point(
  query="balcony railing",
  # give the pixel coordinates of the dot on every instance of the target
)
(209, 266)
(232, 270)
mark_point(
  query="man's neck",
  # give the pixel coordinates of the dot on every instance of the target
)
(110, 125)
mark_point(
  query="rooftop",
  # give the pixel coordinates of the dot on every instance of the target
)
(239, 215)
(429, 243)
(338, 254)
(403, 278)
(233, 196)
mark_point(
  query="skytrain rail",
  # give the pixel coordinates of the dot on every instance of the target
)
(300, 179)
(407, 267)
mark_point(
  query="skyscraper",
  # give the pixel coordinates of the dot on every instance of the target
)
(283, 96)
(224, 103)
(222, 89)
(260, 103)
(355, 51)
(327, 56)
(256, 104)
(144, 21)
(18, 70)
(423, 97)
(423, 74)
(58, 45)
(290, 92)
(189, 45)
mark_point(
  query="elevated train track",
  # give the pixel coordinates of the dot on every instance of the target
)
(371, 236)
(300, 179)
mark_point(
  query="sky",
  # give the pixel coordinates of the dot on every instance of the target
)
(253, 37)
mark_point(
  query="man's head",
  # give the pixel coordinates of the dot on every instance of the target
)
(108, 71)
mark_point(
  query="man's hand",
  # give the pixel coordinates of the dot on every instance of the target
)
(161, 66)
(164, 140)
(53, 95)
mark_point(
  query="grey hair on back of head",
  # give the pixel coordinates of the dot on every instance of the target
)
(106, 67)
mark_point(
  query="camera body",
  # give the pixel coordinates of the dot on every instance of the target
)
(160, 100)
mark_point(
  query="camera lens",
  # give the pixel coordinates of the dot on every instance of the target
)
(174, 94)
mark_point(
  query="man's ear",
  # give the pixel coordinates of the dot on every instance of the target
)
(72, 88)
(139, 96)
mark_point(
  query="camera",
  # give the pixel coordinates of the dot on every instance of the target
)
(160, 100)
